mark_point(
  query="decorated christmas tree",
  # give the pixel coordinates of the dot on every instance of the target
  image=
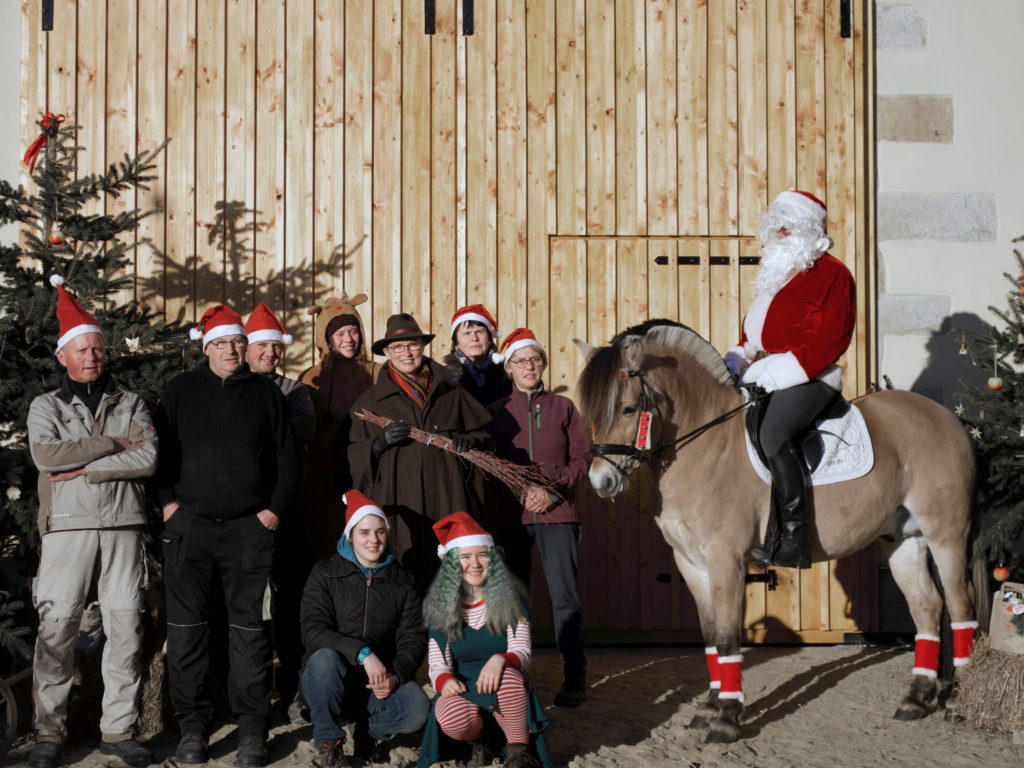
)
(994, 416)
(64, 231)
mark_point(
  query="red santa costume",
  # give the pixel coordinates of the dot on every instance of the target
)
(799, 324)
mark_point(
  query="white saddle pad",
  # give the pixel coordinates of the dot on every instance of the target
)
(847, 451)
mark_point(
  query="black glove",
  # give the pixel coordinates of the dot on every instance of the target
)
(394, 433)
(462, 443)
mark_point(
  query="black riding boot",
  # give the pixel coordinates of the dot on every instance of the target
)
(794, 550)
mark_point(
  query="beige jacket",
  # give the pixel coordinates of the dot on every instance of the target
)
(63, 435)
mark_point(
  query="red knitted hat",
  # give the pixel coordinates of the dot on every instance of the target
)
(359, 507)
(263, 325)
(217, 321)
(519, 338)
(477, 313)
(460, 530)
(74, 320)
(803, 205)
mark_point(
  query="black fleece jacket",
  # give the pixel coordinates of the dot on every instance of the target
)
(225, 448)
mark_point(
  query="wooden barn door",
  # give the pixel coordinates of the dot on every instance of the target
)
(579, 166)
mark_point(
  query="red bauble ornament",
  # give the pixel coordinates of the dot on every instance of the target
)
(57, 237)
(995, 383)
(1000, 573)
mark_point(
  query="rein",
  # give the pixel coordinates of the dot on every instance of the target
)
(639, 451)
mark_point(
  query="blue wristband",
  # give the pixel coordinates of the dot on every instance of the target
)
(363, 653)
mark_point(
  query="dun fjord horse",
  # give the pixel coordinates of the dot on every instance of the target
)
(714, 508)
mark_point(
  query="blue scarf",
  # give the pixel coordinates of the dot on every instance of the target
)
(475, 371)
(346, 551)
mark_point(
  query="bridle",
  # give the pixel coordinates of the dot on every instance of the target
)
(640, 450)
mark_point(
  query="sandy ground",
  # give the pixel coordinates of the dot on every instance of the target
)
(806, 706)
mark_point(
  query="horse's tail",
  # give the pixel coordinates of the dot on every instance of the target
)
(978, 586)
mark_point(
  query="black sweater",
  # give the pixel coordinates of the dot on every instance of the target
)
(225, 449)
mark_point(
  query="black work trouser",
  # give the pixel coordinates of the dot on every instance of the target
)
(196, 552)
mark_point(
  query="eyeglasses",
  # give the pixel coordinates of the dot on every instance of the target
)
(220, 344)
(412, 346)
(533, 362)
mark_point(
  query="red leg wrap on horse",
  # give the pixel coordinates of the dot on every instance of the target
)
(732, 677)
(963, 641)
(712, 656)
(926, 655)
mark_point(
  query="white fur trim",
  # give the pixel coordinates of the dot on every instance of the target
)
(716, 685)
(515, 346)
(56, 280)
(78, 330)
(782, 371)
(363, 511)
(222, 330)
(477, 318)
(753, 324)
(933, 638)
(924, 672)
(473, 540)
(963, 625)
(833, 376)
(711, 651)
(802, 205)
(738, 658)
(737, 695)
(269, 334)
(961, 661)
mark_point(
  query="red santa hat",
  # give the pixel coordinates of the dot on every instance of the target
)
(519, 338)
(804, 208)
(460, 530)
(477, 313)
(74, 320)
(263, 325)
(359, 507)
(217, 321)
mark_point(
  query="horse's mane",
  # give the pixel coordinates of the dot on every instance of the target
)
(597, 387)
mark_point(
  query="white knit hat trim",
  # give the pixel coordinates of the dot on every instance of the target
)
(270, 334)
(801, 205)
(515, 346)
(78, 330)
(473, 540)
(363, 511)
(476, 317)
(222, 330)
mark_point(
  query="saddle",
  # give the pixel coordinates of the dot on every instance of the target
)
(811, 446)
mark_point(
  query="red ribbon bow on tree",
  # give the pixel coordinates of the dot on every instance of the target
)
(50, 121)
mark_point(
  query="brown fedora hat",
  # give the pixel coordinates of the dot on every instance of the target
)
(400, 326)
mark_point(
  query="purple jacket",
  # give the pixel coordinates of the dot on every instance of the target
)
(544, 429)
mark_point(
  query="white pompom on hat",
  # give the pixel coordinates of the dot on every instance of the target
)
(219, 320)
(73, 319)
(358, 507)
(263, 325)
(460, 530)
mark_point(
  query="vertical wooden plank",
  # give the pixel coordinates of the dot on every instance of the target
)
(511, 146)
(33, 72)
(91, 100)
(387, 163)
(268, 240)
(179, 276)
(209, 158)
(781, 100)
(299, 199)
(751, 85)
(443, 205)
(121, 96)
(61, 65)
(358, 236)
(329, 140)
(416, 257)
(691, 82)
(150, 131)
(239, 208)
(482, 161)
(543, 124)
(864, 175)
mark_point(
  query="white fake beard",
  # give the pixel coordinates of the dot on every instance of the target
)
(782, 258)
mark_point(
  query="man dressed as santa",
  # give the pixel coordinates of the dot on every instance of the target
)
(798, 325)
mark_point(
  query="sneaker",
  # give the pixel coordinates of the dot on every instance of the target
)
(518, 756)
(252, 751)
(330, 755)
(573, 693)
(129, 751)
(192, 747)
(45, 754)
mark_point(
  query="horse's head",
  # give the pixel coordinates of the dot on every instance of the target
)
(631, 392)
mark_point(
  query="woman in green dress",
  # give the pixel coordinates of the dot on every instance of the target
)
(478, 648)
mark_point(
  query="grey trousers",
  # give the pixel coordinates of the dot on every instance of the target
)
(69, 562)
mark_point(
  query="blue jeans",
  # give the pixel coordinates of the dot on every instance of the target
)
(336, 690)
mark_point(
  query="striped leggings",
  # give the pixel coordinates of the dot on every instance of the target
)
(462, 721)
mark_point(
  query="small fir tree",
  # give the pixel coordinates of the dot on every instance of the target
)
(94, 253)
(994, 415)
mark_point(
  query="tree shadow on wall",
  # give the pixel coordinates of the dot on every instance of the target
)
(947, 363)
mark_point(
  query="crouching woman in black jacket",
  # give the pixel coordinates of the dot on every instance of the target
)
(362, 626)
